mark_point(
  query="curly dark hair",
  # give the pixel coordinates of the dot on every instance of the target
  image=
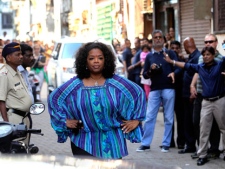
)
(81, 60)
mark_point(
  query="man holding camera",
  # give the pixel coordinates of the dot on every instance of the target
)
(162, 91)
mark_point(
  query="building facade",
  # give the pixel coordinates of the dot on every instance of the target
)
(191, 18)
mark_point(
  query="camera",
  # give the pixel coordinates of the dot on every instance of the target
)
(157, 70)
(79, 126)
(157, 67)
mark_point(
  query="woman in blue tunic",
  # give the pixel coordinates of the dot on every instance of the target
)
(97, 109)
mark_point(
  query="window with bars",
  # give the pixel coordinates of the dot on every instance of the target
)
(7, 20)
(219, 16)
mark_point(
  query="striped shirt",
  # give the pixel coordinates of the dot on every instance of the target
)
(101, 109)
(218, 57)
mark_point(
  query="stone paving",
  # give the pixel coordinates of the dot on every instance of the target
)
(154, 159)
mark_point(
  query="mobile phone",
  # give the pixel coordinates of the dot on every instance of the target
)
(223, 45)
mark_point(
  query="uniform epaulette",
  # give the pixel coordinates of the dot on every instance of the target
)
(3, 70)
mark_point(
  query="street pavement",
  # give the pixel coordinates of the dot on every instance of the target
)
(154, 158)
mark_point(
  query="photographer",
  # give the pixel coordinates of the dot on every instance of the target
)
(162, 91)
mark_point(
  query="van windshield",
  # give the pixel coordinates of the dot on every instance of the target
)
(70, 50)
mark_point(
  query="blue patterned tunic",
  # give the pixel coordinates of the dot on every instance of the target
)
(101, 109)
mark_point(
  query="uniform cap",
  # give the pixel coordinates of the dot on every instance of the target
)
(10, 48)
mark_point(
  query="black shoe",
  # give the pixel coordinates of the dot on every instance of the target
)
(165, 149)
(143, 148)
(224, 158)
(194, 156)
(187, 150)
(169, 146)
(202, 161)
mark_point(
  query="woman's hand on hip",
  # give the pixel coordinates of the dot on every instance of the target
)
(72, 123)
(129, 125)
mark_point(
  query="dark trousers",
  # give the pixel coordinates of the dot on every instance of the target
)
(78, 151)
(190, 138)
(214, 137)
(179, 111)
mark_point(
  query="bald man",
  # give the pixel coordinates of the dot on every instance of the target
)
(190, 139)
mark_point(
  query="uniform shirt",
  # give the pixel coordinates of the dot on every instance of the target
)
(24, 74)
(13, 90)
(101, 109)
(218, 57)
(211, 77)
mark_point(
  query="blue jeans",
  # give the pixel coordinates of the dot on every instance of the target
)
(155, 98)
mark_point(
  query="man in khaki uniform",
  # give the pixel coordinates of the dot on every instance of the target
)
(15, 100)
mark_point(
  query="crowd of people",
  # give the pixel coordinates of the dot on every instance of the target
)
(98, 110)
(192, 93)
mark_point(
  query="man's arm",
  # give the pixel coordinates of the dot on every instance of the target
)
(193, 90)
(3, 110)
(134, 65)
(125, 65)
(174, 62)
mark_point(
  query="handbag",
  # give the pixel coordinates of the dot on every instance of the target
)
(146, 81)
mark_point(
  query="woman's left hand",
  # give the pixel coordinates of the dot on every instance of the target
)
(129, 125)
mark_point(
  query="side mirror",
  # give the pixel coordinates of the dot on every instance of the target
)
(37, 108)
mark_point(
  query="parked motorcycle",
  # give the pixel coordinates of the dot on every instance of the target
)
(9, 132)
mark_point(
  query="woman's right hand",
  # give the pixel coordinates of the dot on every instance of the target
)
(73, 123)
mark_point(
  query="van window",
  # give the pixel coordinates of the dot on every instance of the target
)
(70, 50)
(55, 53)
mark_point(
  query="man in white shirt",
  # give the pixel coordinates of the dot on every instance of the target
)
(28, 61)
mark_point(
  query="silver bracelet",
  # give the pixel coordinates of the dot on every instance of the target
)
(174, 62)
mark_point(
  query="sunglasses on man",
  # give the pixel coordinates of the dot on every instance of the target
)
(209, 41)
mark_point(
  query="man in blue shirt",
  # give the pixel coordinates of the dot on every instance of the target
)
(178, 106)
(213, 92)
(135, 68)
(196, 92)
(162, 91)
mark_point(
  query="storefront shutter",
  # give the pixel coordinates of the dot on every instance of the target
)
(190, 27)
